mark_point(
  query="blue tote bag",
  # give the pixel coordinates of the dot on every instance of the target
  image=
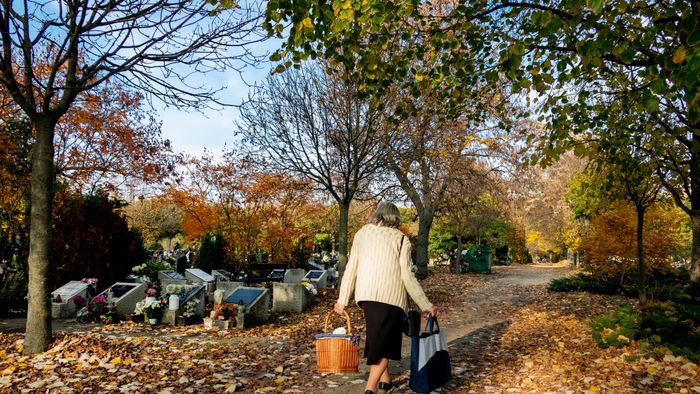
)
(430, 362)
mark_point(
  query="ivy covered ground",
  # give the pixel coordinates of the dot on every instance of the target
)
(507, 334)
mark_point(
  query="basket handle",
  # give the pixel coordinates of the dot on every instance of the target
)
(347, 321)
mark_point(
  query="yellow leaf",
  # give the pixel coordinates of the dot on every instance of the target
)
(593, 389)
(679, 56)
(116, 361)
(419, 77)
(279, 380)
(279, 369)
(9, 370)
(651, 370)
(306, 24)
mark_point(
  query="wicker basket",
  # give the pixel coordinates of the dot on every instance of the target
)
(337, 352)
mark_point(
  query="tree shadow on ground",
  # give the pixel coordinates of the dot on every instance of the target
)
(470, 357)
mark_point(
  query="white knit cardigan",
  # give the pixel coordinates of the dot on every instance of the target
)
(378, 271)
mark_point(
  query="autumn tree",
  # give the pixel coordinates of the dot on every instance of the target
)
(51, 53)
(635, 60)
(156, 218)
(250, 207)
(108, 137)
(609, 247)
(630, 178)
(310, 123)
(429, 153)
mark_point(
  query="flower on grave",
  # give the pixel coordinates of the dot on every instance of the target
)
(152, 290)
(138, 268)
(100, 300)
(90, 281)
(310, 287)
(178, 289)
(152, 308)
(79, 300)
(190, 307)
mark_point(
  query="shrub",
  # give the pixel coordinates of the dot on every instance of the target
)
(675, 326)
(590, 283)
(618, 328)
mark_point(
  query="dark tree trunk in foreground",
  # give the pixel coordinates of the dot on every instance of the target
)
(38, 332)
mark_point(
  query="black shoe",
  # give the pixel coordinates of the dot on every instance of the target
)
(369, 392)
(386, 386)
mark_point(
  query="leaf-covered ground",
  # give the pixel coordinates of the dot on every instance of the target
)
(506, 336)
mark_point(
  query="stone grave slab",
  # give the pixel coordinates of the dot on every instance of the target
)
(171, 277)
(125, 295)
(67, 308)
(222, 275)
(227, 286)
(196, 292)
(253, 304)
(294, 275)
(291, 297)
(318, 277)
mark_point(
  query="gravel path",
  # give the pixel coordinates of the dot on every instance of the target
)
(472, 319)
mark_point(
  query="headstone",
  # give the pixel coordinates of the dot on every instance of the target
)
(125, 295)
(252, 305)
(318, 277)
(200, 277)
(67, 308)
(294, 275)
(291, 297)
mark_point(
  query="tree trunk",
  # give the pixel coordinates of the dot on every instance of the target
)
(344, 210)
(38, 331)
(695, 209)
(695, 255)
(424, 224)
(641, 268)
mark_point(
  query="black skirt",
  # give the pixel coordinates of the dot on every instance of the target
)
(384, 331)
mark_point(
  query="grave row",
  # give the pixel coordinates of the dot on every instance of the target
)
(252, 304)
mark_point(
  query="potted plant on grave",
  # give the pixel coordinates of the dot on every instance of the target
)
(152, 312)
(189, 313)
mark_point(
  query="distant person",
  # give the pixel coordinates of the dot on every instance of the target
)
(379, 273)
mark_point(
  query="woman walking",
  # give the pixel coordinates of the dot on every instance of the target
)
(379, 272)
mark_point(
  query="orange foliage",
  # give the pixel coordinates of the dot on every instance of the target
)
(252, 208)
(106, 132)
(610, 246)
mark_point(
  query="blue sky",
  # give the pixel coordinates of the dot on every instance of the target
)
(192, 132)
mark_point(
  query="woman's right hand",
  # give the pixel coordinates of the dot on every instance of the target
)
(434, 311)
(338, 308)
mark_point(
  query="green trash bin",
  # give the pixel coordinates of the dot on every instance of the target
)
(480, 258)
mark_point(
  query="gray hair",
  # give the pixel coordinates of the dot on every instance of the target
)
(386, 214)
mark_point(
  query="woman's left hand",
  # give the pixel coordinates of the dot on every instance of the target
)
(434, 311)
(338, 308)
